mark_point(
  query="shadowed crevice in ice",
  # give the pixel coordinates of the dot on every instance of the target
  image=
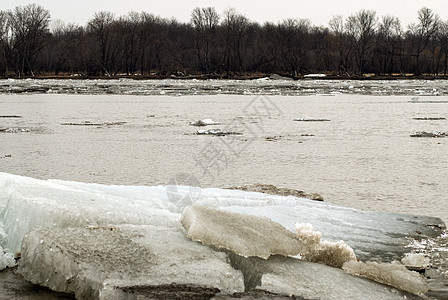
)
(165, 291)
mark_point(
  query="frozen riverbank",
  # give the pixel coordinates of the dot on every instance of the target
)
(102, 241)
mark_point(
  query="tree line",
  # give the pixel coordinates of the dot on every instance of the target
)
(225, 45)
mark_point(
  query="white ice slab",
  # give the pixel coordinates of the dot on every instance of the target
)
(64, 211)
(94, 262)
(27, 204)
(242, 234)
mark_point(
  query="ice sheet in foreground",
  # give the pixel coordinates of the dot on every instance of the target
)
(114, 262)
(66, 213)
(27, 204)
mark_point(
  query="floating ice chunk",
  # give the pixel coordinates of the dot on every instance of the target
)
(243, 234)
(217, 132)
(392, 274)
(311, 120)
(279, 77)
(88, 123)
(314, 76)
(10, 116)
(333, 254)
(204, 122)
(15, 130)
(103, 262)
(433, 134)
(429, 118)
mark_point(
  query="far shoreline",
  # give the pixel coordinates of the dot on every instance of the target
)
(249, 76)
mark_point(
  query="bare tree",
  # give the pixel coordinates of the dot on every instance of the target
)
(420, 34)
(147, 34)
(360, 28)
(294, 40)
(205, 21)
(389, 46)
(235, 28)
(321, 52)
(443, 40)
(29, 29)
(127, 28)
(66, 52)
(341, 40)
(102, 28)
(270, 51)
(145, 44)
(4, 41)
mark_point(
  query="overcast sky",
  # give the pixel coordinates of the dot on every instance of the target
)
(319, 11)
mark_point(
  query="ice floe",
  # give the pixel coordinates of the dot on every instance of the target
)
(311, 120)
(104, 242)
(204, 122)
(217, 132)
(88, 123)
(433, 134)
(15, 129)
(429, 118)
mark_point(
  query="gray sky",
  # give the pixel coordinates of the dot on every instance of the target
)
(319, 11)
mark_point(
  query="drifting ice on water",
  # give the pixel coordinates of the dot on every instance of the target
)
(99, 241)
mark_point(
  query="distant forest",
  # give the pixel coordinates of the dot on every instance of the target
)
(224, 45)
